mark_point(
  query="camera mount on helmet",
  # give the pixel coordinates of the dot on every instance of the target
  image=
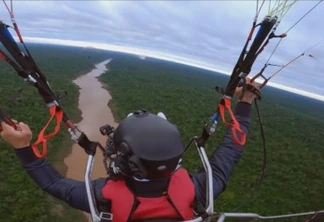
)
(109, 150)
(106, 130)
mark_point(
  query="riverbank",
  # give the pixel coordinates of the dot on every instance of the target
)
(93, 100)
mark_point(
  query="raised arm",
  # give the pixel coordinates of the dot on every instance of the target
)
(46, 177)
(227, 154)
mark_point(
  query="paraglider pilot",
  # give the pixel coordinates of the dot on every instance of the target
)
(148, 181)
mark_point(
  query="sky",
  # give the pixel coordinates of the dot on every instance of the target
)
(206, 34)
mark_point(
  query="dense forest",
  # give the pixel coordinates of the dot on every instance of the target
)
(293, 128)
(21, 199)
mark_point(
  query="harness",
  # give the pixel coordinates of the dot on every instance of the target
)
(177, 202)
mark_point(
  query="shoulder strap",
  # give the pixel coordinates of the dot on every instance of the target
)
(103, 205)
(180, 201)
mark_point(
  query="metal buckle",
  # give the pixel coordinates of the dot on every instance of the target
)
(105, 216)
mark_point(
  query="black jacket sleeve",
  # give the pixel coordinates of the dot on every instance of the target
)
(47, 178)
(224, 158)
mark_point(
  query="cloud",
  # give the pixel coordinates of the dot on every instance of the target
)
(209, 32)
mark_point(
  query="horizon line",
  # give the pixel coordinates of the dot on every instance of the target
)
(162, 56)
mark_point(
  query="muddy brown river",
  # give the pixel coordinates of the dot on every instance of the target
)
(93, 103)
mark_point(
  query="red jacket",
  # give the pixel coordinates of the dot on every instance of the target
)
(177, 202)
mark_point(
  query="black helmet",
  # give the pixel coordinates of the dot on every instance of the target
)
(147, 146)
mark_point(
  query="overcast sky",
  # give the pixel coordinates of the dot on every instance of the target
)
(207, 32)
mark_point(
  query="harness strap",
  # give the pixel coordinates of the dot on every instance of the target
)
(55, 111)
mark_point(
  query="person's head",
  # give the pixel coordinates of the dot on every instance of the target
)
(148, 146)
